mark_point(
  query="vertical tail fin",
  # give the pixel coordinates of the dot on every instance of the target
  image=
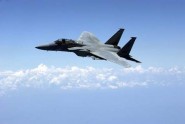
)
(125, 51)
(114, 40)
(128, 46)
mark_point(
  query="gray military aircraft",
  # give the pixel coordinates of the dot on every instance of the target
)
(89, 46)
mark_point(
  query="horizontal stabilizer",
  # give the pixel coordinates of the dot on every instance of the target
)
(114, 40)
(132, 59)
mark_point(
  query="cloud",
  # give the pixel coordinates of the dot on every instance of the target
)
(89, 77)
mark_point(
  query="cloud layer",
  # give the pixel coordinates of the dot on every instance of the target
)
(89, 77)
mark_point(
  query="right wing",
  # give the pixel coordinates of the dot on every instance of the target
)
(88, 39)
(112, 57)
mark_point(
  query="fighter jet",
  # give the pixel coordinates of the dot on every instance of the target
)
(89, 46)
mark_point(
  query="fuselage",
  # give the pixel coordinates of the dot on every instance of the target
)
(79, 49)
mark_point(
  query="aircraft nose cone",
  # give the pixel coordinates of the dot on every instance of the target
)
(38, 47)
(43, 47)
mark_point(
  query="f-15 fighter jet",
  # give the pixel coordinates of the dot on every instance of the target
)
(89, 46)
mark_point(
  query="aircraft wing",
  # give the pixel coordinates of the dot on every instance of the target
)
(112, 57)
(88, 39)
(109, 56)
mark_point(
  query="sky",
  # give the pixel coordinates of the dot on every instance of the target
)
(45, 87)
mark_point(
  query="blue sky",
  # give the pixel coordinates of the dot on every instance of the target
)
(45, 87)
(158, 25)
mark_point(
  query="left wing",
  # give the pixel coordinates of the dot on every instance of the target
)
(109, 56)
(112, 57)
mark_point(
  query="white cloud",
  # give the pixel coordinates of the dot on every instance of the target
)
(89, 77)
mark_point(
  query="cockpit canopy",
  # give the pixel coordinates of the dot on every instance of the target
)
(63, 41)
